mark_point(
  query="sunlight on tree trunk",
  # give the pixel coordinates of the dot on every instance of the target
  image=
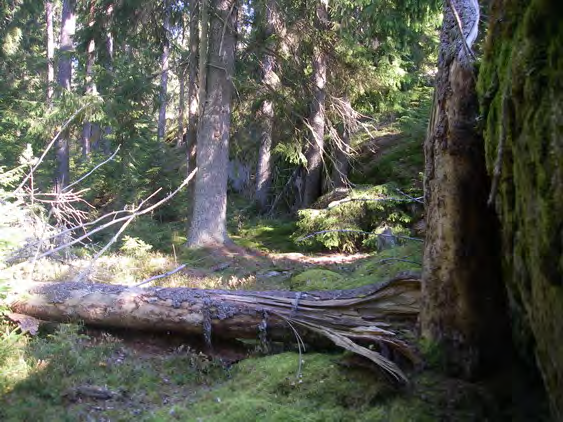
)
(68, 25)
(208, 224)
(463, 298)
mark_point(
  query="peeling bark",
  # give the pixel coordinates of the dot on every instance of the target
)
(464, 310)
(346, 317)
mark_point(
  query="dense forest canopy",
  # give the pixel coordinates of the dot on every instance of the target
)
(421, 136)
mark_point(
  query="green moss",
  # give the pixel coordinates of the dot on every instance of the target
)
(268, 389)
(388, 263)
(317, 279)
(524, 52)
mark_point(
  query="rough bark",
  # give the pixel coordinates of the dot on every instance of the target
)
(208, 225)
(163, 99)
(522, 101)
(314, 154)
(191, 134)
(270, 82)
(348, 318)
(64, 79)
(463, 308)
(50, 53)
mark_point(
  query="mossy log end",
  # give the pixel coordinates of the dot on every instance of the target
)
(349, 318)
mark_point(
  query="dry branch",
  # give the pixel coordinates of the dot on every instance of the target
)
(351, 319)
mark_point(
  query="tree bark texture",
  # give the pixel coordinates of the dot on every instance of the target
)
(208, 224)
(463, 308)
(522, 101)
(164, 74)
(191, 134)
(348, 318)
(270, 82)
(64, 79)
(315, 150)
(50, 53)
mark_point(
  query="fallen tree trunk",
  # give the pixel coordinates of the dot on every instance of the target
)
(349, 318)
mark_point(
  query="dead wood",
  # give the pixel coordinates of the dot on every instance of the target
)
(351, 319)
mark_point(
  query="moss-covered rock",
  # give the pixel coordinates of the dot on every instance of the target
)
(521, 89)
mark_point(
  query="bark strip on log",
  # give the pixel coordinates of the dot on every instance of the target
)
(348, 318)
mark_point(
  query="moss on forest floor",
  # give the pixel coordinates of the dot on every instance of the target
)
(47, 378)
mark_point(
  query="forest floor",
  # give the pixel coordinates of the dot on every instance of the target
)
(76, 373)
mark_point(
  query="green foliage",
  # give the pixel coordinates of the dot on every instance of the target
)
(134, 246)
(368, 211)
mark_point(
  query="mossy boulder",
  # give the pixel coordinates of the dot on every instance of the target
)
(316, 279)
(522, 101)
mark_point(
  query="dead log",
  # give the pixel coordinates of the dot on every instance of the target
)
(349, 318)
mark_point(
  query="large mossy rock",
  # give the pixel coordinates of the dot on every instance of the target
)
(521, 89)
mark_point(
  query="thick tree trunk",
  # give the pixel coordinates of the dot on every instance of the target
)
(314, 154)
(64, 78)
(164, 75)
(270, 82)
(348, 318)
(208, 225)
(463, 298)
(50, 53)
(522, 101)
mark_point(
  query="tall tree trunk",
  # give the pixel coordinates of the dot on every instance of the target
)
(270, 82)
(88, 129)
(342, 153)
(164, 75)
(191, 134)
(181, 106)
(522, 100)
(50, 53)
(64, 79)
(208, 224)
(463, 308)
(314, 154)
